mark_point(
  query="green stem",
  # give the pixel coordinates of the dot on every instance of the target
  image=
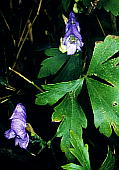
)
(29, 81)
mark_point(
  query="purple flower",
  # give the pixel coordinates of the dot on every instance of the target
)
(18, 127)
(72, 39)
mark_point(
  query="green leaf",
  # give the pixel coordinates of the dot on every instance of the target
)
(109, 161)
(56, 91)
(103, 85)
(68, 111)
(102, 56)
(112, 6)
(71, 70)
(72, 166)
(105, 105)
(51, 65)
(67, 67)
(52, 52)
(79, 150)
(73, 118)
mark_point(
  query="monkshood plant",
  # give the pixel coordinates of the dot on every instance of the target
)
(70, 77)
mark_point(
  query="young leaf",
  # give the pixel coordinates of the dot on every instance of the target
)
(56, 91)
(79, 150)
(103, 85)
(109, 161)
(73, 118)
(72, 166)
(51, 65)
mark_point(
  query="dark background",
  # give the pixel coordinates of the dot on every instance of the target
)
(47, 30)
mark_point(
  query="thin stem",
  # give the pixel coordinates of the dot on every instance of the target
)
(21, 37)
(101, 26)
(5, 98)
(29, 81)
(39, 7)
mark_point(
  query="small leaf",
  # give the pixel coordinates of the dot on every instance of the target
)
(56, 91)
(109, 161)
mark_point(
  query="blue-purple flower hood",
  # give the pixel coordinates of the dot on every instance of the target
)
(18, 127)
(72, 39)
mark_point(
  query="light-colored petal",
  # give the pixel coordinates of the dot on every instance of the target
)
(19, 127)
(23, 143)
(9, 134)
(19, 112)
(71, 49)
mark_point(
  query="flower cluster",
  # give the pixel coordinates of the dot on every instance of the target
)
(18, 127)
(72, 40)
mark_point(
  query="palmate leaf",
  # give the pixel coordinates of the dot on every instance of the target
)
(69, 112)
(64, 67)
(103, 85)
(51, 65)
(71, 70)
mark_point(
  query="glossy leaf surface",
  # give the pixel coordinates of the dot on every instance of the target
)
(103, 85)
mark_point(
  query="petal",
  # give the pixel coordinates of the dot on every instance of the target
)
(71, 49)
(79, 45)
(9, 134)
(73, 31)
(19, 127)
(23, 143)
(19, 112)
